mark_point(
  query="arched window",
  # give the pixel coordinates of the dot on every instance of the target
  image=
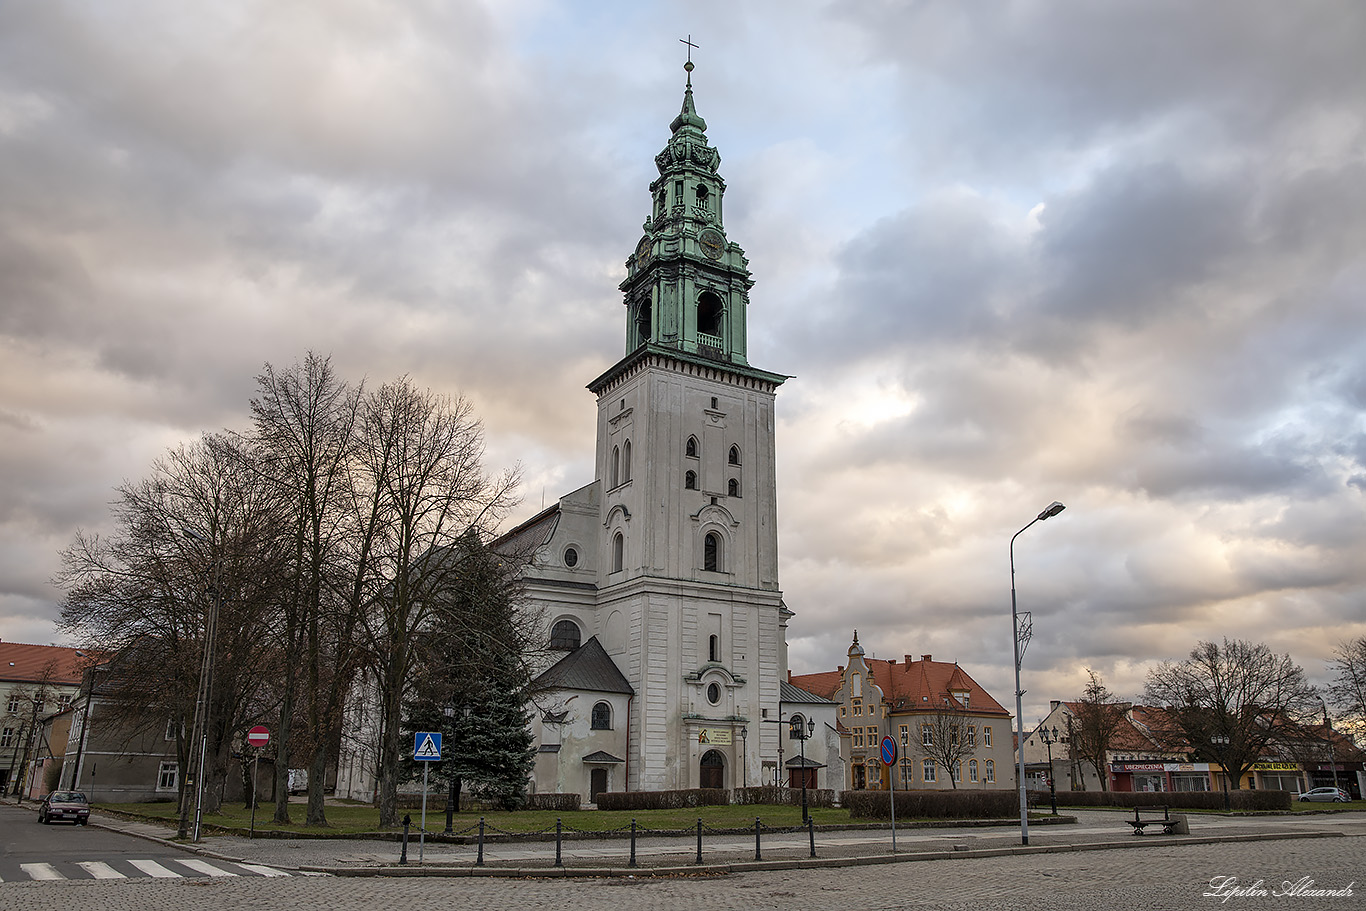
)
(714, 648)
(733, 487)
(618, 552)
(616, 465)
(565, 634)
(602, 717)
(991, 770)
(972, 770)
(690, 480)
(796, 727)
(626, 462)
(709, 314)
(711, 553)
(734, 457)
(690, 450)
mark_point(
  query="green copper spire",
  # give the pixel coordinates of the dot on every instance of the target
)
(687, 285)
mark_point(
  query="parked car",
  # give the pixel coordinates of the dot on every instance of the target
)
(1327, 795)
(70, 805)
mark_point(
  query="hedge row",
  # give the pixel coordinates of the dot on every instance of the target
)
(663, 800)
(1185, 800)
(964, 804)
(563, 803)
(772, 795)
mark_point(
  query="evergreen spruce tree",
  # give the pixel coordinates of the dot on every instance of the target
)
(473, 687)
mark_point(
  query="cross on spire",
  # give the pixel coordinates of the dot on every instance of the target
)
(688, 67)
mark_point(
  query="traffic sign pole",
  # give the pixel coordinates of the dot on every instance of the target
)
(889, 760)
(426, 750)
(258, 737)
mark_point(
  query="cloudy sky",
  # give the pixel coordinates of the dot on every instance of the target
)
(1110, 254)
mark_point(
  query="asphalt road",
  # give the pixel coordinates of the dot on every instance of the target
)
(33, 852)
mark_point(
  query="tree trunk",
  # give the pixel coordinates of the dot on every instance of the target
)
(317, 782)
(286, 732)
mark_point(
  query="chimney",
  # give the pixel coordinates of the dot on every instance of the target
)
(926, 657)
(908, 659)
(1053, 705)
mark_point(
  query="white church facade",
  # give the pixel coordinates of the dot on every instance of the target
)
(659, 580)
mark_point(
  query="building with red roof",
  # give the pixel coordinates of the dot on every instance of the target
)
(35, 681)
(948, 730)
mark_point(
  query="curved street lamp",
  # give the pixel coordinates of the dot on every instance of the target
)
(1053, 509)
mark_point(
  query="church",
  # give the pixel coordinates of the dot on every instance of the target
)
(658, 581)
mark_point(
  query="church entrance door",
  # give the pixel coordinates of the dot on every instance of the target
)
(713, 770)
(597, 784)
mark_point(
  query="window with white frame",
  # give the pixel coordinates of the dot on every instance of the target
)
(905, 734)
(926, 735)
(63, 702)
(13, 705)
(171, 729)
(972, 736)
(928, 770)
(7, 737)
(167, 776)
(991, 770)
(986, 735)
(972, 770)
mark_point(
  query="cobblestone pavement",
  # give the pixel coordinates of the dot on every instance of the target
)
(1176, 876)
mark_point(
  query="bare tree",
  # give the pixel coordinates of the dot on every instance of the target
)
(305, 425)
(1347, 692)
(1097, 718)
(194, 551)
(419, 462)
(1234, 703)
(943, 736)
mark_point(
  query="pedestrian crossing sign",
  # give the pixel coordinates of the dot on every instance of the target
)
(427, 746)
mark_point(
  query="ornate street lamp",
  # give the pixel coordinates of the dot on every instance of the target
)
(1053, 509)
(1220, 742)
(1049, 740)
(1332, 753)
(744, 759)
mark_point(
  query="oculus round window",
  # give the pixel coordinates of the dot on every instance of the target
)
(714, 693)
(571, 557)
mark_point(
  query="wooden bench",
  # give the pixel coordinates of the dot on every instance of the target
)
(1158, 816)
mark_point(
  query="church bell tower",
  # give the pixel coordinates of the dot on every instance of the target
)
(686, 469)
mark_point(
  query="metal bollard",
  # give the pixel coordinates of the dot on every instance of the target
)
(479, 862)
(811, 833)
(758, 854)
(559, 843)
(699, 839)
(407, 821)
(633, 844)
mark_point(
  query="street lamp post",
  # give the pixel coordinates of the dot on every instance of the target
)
(1220, 742)
(1048, 741)
(1332, 753)
(453, 796)
(801, 735)
(1053, 509)
(200, 735)
(744, 758)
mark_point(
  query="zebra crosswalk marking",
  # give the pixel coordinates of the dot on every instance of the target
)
(203, 866)
(261, 869)
(152, 868)
(41, 871)
(100, 870)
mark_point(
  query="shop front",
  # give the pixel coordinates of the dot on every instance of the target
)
(1138, 776)
(1348, 777)
(1279, 776)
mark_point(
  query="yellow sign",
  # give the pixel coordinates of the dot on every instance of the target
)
(1276, 766)
(715, 736)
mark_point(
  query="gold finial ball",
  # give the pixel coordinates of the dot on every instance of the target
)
(688, 66)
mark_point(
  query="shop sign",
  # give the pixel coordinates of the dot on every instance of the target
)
(715, 736)
(1137, 767)
(1186, 766)
(1275, 767)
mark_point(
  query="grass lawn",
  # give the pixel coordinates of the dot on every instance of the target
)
(348, 818)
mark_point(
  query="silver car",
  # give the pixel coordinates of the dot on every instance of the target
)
(1327, 795)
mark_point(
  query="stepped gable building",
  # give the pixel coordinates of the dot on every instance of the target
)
(659, 579)
(921, 704)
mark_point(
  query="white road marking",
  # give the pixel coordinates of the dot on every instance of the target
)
(152, 868)
(41, 871)
(100, 870)
(262, 870)
(203, 866)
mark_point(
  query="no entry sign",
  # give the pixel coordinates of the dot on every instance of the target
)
(258, 736)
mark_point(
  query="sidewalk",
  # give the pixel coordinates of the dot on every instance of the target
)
(1092, 830)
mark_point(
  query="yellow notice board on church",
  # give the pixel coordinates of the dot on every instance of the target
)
(715, 736)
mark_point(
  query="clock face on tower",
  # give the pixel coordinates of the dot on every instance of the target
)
(643, 249)
(712, 243)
